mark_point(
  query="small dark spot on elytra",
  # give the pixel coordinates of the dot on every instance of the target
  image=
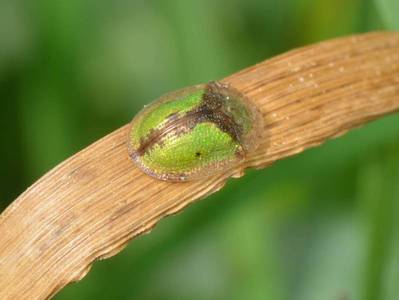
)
(197, 154)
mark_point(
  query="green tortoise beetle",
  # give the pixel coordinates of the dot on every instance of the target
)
(194, 132)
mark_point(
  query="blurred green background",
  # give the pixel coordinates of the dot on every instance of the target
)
(320, 225)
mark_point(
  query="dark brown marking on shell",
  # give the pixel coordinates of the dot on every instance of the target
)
(213, 102)
(210, 110)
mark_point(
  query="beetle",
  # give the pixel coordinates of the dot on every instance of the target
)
(194, 132)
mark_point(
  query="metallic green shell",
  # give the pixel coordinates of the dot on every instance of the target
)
(194, 132)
